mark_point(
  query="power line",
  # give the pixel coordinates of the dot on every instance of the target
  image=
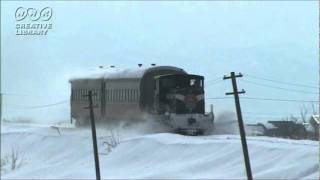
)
(216, 82)
(268, 114)
(41, 106)
(282, 82)
(279, 88)
(213, 80)
(20, 95)
(267, 99)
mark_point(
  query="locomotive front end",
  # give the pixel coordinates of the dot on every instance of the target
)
(180, 101)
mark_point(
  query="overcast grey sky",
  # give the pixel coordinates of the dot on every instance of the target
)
(274, 40)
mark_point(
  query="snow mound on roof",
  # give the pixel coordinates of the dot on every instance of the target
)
(112, 74)
(125, 73)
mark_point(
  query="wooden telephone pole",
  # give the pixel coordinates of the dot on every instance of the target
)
(240, 121)
(94, 136)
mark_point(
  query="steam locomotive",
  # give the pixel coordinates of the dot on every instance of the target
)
(164, 93)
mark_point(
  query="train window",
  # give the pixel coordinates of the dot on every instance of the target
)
(110, 95)
(128, 99)
(127, 95)
(72, 95)
(137, 95)
(120, 94)
(117, 95)
(124, 95)
(116, 92)
(106, 95)
(134, 94)
(77, 94)
(192, 82)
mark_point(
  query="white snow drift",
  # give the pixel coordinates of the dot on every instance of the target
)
(46, 154)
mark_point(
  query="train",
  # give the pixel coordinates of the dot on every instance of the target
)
(166, 94)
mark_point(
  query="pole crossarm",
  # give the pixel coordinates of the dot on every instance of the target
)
(239, 92)
(229, 77)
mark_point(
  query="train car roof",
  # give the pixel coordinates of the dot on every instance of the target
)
(135, 73)
(189, 75)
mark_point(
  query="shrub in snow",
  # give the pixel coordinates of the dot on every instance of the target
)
(112, 141)
(14, 160)
(4, 163)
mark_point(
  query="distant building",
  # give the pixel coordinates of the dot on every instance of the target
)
(287, 129)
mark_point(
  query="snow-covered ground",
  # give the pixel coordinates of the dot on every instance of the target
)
(142, 155)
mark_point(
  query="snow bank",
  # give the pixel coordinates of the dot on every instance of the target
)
(49, 155)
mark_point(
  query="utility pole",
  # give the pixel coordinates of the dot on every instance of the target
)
(94, 136)
(0, 92)
(240, 121)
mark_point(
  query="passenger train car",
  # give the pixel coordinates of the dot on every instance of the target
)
(165, 93)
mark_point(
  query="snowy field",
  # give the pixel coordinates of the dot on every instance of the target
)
(141, 155)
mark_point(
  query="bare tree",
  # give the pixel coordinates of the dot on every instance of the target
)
(303, 114)
(313, 109)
